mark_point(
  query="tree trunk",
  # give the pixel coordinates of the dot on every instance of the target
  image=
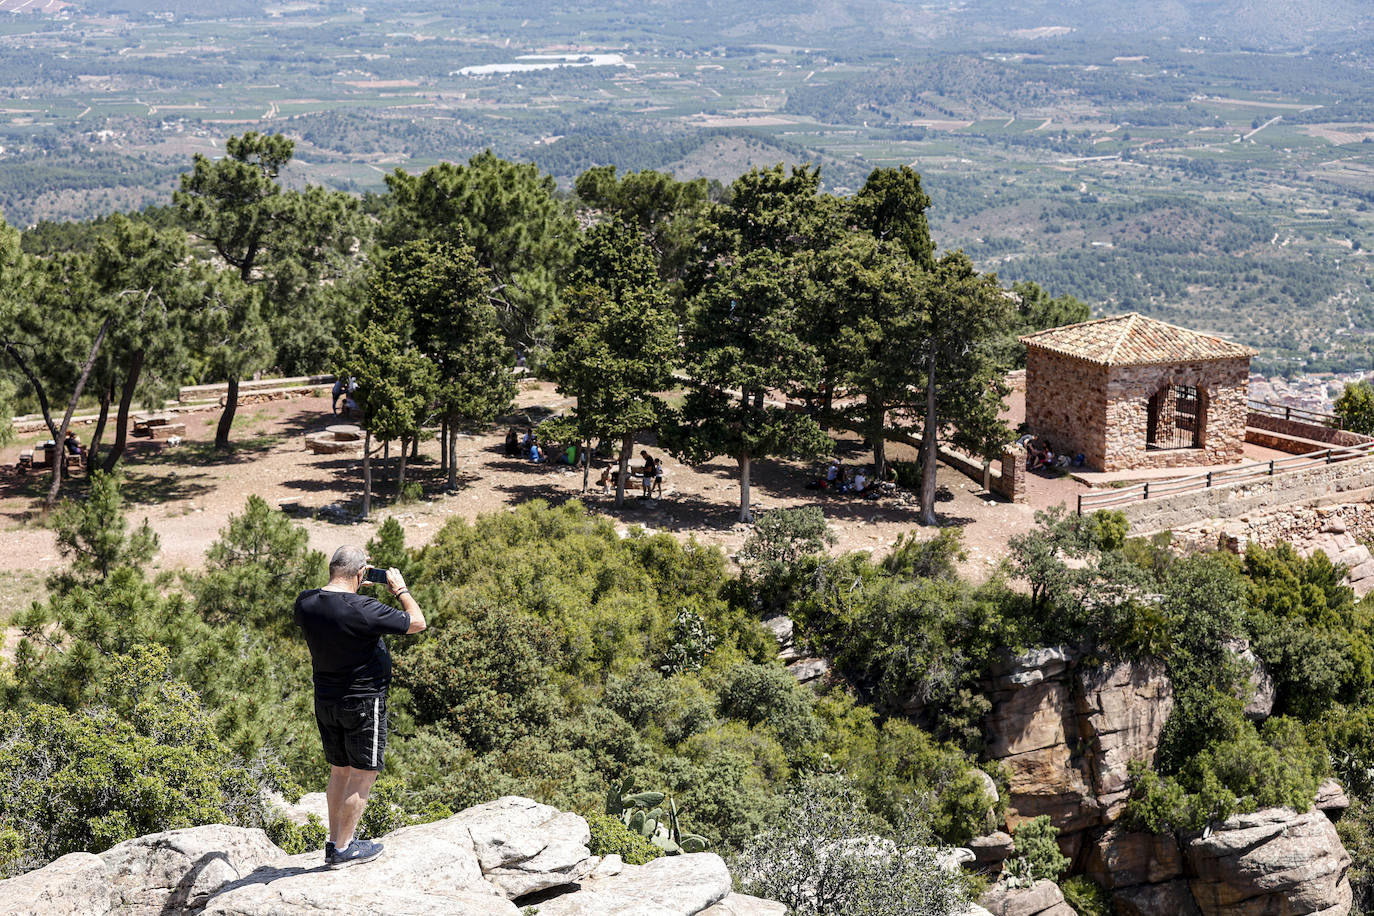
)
(415, 447)
(453, 457)
(226, 419)
(585, 457)
(929, 447)
(38, 388)
(106, 396)
(401, 467)
(126, 398)
(60, 453)
(367, 473)
(745, 515)
(443, 448)
(876, 428)
(626, 446)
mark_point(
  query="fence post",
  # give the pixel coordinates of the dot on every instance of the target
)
(1287, 413)
(1329, 453)
(1147, 490)
(1271, 467)
(1209, 480)
(1080, 503)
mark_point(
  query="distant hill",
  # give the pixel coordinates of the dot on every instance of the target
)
(864, 26)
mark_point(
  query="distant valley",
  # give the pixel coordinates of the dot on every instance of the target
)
(1211, 163)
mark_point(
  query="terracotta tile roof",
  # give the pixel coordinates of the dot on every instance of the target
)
(1134, 340)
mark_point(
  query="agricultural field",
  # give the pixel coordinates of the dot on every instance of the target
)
(1216, 171)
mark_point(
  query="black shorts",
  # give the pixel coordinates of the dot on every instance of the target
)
(353, 731)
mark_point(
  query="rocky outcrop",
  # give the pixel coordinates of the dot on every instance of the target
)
(1274, 861)
(1331, 799)
(1122, 708)
(486, 861)
(1143, 871)
(990, 851)
(1067, 733)
(1033, 730)
(1043, 898)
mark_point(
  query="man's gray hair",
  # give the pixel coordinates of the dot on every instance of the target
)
(347, 562)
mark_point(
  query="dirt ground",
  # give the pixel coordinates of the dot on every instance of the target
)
(188, 492)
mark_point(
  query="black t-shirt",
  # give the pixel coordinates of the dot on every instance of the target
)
(344, 632)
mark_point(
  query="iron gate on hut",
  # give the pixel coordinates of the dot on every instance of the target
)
(1175, 418)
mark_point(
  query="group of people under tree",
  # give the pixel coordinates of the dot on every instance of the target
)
(767, 294)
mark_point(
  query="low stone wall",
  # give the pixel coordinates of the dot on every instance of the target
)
(1009, 481)
(1258, 424)
(1252, 496)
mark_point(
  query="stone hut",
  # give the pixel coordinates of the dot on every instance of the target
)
(1133, 392)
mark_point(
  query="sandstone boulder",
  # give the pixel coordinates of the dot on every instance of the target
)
(523, 846)
(1331, 799)
(743, 905)
(671, 886)
(1043, 898)
(74, 885)
(992, 849)
(1033, 729)
(1122, 858)
(429, 868)
(1171, 898)
(472, 864)
(179, 869)
(1259, 689)
(1122, 709)
(1274, 861)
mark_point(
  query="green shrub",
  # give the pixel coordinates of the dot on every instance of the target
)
(1087, 897)
(769, 695)
(1035, 851)
(145, 760)
(610, 836)
(295, 839)
(826, 856)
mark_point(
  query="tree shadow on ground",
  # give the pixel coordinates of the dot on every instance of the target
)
(204, 454)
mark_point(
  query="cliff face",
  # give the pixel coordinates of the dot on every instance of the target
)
(1066, 731)
(486, 861)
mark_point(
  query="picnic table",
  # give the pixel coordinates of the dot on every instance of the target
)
(41, 456)
(157, 426)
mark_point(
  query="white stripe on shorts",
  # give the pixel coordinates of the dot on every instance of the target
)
(376, 713)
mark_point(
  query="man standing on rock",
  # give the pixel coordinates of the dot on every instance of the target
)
(352, 671)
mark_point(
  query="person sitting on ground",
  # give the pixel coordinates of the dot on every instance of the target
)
(512, 443)
(570, 456)
(860, 482)
(832, 474)
(527, 440)
(536, 454)
(658, 478)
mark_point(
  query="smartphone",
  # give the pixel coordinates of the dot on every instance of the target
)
(376, 575)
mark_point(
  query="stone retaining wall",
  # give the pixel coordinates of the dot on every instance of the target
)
(1257, 424)
(1256, 496)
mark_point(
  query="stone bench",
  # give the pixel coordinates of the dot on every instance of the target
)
(342, 439)
(165, 430)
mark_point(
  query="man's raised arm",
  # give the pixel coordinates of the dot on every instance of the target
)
(397, 584)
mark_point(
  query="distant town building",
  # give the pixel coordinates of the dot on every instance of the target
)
(1132, 392)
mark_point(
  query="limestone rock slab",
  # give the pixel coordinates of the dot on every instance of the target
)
(74, 885)
(744, 905)
(670, 886)
(180, 869)
(1043, 898)
(1122, 709)
(523, 847)
(1272, 861)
